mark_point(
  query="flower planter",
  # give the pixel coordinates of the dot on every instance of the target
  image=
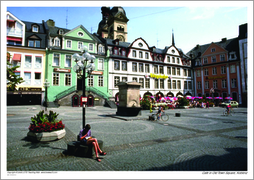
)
(46, 136)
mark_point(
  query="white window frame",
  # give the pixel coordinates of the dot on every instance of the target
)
(80, 44)
(33, 28)
(214, 71)
(126, 66)
(222, 57)
(224, 83)
(205, 60)
(38, 65)
(223, 69)
(66, 60)
(233, 83)
(28, 64)
(90, 47)
(59, 60)
(206, 72)
(100, 64)
(198, 73)
(206, 84)
(57, 78)
(215, 84)
(90, 81)
(67, 75)
(100, 81)
(232, 68)
(27, 80)
(70, 42)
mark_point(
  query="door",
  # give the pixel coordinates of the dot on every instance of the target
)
(75, 101)
(90, 101)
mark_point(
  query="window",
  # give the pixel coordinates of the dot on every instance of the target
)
(67, 79)
(189, 73)
(80, 44)
(185, 72)
(141, 81)
(198, 73)
(141, 67)
(135, 79)
(28, 61)
(116, 51)
(55, 79)
(173, 71)
(147, 56)
(34, 43)
(134, 53)
(116, 80)
(178, 72)
(68, 44)
(178, 61)
(205, 60)
(116, 65)
(233, 83)
(189, 85)
(134, 67)
(90, 47)
(185, 85)
(213, 50)
(173, 60)
(38, 63)
(80, 34)
(206, 84)
(232, 69)
(100, 81)
(147, 83)
(169, 84)
(17, 74)
(162, 83)
(123, 53)
(124, 65)
(174, 84)
(214, 70)
(199, 84)
(56, 61)
(15, 63)
(68, 61)
(224, 83)
(37, 78)
(206, 72)
(222, 57)
(57, 42)
(61, 31)
(35, 28)
(101, 49)
(161, 70)
(27, 78)
(168, 58)
(147, 69)
(90, 81)
(156, 83)
(155, 69)
(100, 64)
(178, 84)
(223, 69)
(213, 59)
(124, 79)
(140, 54)
(215, 85)
(169, 70)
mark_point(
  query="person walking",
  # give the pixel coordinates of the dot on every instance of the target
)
(207, 104)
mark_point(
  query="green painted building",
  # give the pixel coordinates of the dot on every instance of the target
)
(65, 85)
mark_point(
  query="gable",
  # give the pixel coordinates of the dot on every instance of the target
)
(172, 50)
(79, 32)
(217, 49)
(140, 44)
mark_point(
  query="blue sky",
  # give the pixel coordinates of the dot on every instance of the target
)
(192, 22)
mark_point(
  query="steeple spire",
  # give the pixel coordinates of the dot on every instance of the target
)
(173, 41)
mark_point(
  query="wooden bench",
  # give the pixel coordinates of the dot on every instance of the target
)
(76, 148)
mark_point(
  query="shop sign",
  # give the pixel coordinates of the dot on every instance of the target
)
(29, 89)
(97, 73)
(96, 99)
(216, 77)
(62, 70)
(160, 76)
(84, 99)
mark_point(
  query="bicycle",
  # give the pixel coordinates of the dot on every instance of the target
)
(164, 117)
(226, 113)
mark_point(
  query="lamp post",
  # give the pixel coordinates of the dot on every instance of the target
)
(46, 85)
(85, 63)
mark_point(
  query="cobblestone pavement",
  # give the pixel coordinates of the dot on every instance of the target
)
(198, 140)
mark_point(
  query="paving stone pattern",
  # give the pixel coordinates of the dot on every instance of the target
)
(199, 140)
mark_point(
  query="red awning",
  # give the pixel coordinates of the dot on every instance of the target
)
(10, 20)
(13, 39)
(16, 57)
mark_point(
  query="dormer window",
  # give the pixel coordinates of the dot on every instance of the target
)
(56, 42)
(35, 28)
(61, 32)
(213, 50)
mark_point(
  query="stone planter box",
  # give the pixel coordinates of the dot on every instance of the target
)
(46, 136)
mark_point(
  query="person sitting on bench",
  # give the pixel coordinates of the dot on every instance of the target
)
(86, 138)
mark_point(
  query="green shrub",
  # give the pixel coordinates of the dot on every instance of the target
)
(183, 102)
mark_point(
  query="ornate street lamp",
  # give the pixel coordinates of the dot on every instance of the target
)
(46, 85)
(85, 63)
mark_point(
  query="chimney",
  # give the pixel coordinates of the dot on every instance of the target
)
(223, 39)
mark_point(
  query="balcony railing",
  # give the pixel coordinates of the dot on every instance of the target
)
(14, 32)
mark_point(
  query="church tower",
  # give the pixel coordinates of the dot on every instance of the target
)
(113, 24)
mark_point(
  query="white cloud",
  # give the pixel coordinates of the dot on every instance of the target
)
(202, 12)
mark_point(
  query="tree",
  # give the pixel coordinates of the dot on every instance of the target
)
(12, 79)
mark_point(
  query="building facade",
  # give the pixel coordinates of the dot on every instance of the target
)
(216, 69)
(26, 43)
